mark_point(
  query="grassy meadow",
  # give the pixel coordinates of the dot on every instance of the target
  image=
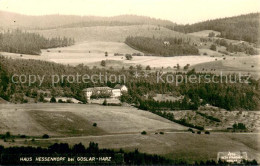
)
(110, 33)
(117, 127)
(92, 53)
(181, 145)
(76, 119)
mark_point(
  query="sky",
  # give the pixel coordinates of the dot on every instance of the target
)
(179, 11)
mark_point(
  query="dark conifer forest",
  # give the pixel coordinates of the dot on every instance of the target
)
(162, 47)
(230, 96)
(244, 27)
(17, 41)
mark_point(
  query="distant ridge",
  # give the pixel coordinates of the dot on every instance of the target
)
(14, 20)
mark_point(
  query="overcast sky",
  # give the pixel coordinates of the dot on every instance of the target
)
(180, 11)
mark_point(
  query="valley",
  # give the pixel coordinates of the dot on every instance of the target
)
(188, 121)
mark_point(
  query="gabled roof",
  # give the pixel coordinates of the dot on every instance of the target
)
(118, 86)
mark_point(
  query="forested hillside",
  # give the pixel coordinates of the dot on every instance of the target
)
(123, 20)
(4, 83)
(162, 47)
(244, 27)
(98, 23)
(241, 47)
(17, 41)
(230, 96)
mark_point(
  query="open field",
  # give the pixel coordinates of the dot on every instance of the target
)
(204, 33)
(110, 33)
(118, 127)
(64, 123)
(171, 144)
(244, 65)
(79, 54)
(210, 52)
(93, 42)
(92, 53)
(56, 119)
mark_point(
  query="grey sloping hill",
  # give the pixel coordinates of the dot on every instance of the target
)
(77, 119)
(111, 33)
(14, 20)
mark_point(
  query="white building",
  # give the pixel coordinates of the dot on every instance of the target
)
(121, 87)
(116, 91)
(89, 91)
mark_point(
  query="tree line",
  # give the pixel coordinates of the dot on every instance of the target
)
(63, 149)
(162, 47)
(17, 41)
(119, 157)
(243, 27)
(230, 96)
(209, 117)
(241, 47)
